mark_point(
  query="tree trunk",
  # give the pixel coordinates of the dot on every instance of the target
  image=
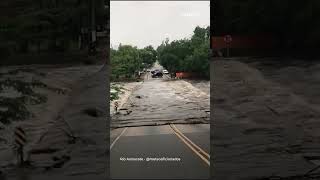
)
(39, 46)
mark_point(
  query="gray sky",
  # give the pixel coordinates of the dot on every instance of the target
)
(142, 23)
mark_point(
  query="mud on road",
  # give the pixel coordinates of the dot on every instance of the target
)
(159, 101)
(62, 139)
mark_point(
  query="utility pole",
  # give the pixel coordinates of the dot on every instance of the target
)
(107, 8)
(92, 48)
(139, 64)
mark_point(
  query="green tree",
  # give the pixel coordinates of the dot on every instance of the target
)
(127, 61)
(292, 23)
(57, 23)
(188, 55)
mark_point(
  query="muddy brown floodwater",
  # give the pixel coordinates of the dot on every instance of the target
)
(266, 118)
(159, 101)
(63, 143)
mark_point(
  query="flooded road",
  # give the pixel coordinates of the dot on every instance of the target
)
(266, 118)
(45, 114)
(63, 143)
(159, 101)
(162, 131)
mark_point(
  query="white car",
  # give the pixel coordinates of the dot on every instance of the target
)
(165, 71)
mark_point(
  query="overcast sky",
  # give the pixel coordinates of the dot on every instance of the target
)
(142, 23)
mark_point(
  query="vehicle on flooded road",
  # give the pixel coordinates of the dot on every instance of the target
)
(165, 71)
(157, 74)
(155, 71)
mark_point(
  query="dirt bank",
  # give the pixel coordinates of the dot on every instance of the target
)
(124, 94)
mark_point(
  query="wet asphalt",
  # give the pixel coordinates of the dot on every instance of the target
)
(174, 149)
(157, 142)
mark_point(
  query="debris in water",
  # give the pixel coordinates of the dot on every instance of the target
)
(61, 161)
(44, 151)
(94, 112)
(129, 112)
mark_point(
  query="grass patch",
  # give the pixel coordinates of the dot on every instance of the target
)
(115, 90)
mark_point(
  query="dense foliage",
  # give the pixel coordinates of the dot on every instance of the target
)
(294, 23)
(187, 55)
(46, 25)
(127, 61)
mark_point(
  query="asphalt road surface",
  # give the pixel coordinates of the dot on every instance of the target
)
(160, 142)
(165, 135)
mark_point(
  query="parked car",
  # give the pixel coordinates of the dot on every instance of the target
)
(165, 71)
(157, 74)
(155, 71)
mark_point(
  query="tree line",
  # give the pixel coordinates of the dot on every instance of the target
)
(127, 61)
(187, 55)
(295, 24)
(48, 25)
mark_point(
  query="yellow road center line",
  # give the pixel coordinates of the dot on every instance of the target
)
(190, 146)
(20, 142)
(21, 134)
(192, 143)
(114, 142)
